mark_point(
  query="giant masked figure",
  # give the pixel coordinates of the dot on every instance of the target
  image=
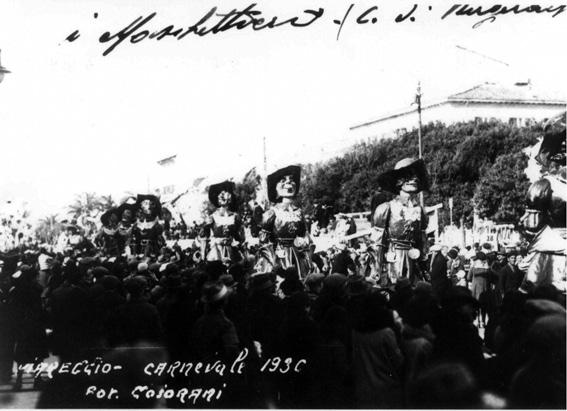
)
(147, 231)
(543, 223)
(108, 238)
(226, 227)
(284, 233)
(399, 225)
(126, 214)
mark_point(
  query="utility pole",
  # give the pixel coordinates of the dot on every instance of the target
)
(418, 101)
(265, 178)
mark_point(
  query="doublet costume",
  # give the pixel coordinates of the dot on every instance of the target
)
(225, 229)
(284, 227)
(400, 228)
(147, 236)
(109, 240)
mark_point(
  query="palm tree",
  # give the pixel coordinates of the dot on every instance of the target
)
(48, 229)
(85, 204)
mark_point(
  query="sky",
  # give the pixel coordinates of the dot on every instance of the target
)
(73, 120)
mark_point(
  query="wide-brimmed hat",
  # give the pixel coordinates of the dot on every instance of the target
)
(142, 197)
(216, 189)
(356, 285)
(126, 206)
(274, 179)
(553, 146)
(105, 217)
(213, 292)
(459, 295)
(389, 180)
(261, 281)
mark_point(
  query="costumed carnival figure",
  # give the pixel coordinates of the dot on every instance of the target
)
(543, 223)
(399, 225)
(126, 215)
(226, 233)
(283, 232)
(147, 231)
(108, 239)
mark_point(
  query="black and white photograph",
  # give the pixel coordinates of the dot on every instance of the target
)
(296, 204)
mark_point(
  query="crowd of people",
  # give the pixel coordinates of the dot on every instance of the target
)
(405, 345)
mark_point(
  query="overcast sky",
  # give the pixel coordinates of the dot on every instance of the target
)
(73, 121)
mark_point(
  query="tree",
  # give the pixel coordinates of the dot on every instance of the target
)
(500, 192)
(458, 157)
(48, 229)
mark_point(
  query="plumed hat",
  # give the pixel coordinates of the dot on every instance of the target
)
(553, 146)
(216, 189)
(274, 179)
(142, 197)
(129, 204)
(389, 180)
(105, 217)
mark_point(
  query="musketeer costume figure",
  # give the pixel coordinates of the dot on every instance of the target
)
(399, 225)
(543, 223)
(226, 226)
(147, 232)
(126, 214)
(283, 226)
(108, 238)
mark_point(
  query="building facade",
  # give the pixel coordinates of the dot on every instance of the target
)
(519, 104)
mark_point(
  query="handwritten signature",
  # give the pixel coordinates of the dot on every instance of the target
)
(214, 22)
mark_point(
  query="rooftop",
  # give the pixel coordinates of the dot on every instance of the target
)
(518, 93)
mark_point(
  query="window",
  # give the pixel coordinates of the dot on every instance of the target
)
(513, 121)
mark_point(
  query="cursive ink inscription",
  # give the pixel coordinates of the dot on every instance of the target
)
(212, 22)
(493, 11)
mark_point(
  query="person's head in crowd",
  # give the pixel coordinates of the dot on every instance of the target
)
(297, 304)
(291, 284)
(136, 287)
(453, 253)
(314, 283)
(228, 281)
(375, 314)
(444, 250)
(459, 303)
(214, 295)
(334, 284)
(501, 258)
(357, 286)
(238, 273)
(110, 282)
(511, 258)
(98, 273)
(445, 386)
(25, 275)
(262, 283)
(142, 268)
(545, 292)
(480, 260)
(214, 270)
(133, 265)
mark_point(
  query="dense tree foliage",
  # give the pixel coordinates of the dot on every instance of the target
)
(466, 161)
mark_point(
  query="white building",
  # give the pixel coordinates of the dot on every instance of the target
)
(518, 104)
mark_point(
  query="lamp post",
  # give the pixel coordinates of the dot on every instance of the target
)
(418, 102)
(3, 70)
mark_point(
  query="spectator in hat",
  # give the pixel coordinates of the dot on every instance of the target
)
(342, 262)
(263, 309)
(511, 278)
(332, 293)
(314, 284)
(457, 337)
(377, 357)
(214, 334)
(479, 275)
(540, 382)
(137, 321)
(438, 272)
(71, 315)
(29, 320)
(298, 338)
